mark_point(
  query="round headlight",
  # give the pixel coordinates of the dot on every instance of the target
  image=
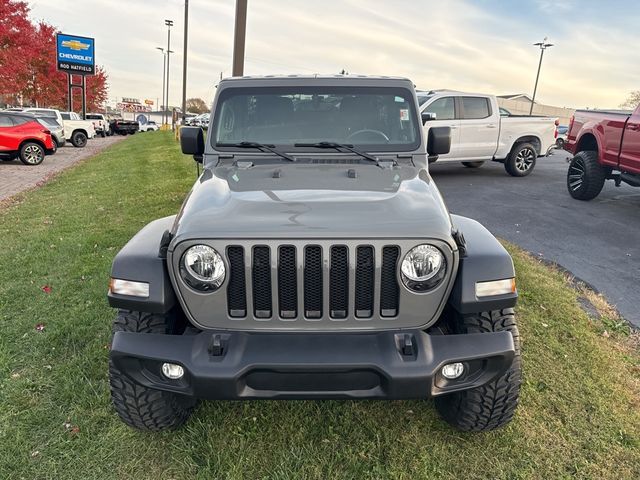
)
(423, 267)
(202, 268)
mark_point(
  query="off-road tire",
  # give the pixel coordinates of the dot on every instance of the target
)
(141, 407)
(560, 143)
(31, 153)
(473, 164)
(103, 134)
(585, 176)
(522, 160)
(492, 405)
(78, 139)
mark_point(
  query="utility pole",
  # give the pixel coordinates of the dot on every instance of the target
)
(169, 24)
(543, 46)
(164, 71)
(184, 61)
(239, 35)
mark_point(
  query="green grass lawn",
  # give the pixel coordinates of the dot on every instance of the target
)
(579, 415)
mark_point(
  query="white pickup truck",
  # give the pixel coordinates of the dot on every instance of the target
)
(81, 130)
(479, 133)
(100, 123)
(75, 130)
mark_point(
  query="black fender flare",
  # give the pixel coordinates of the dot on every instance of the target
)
(140, 260)
(485, 259)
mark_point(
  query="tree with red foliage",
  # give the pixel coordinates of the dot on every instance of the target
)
(28, 63)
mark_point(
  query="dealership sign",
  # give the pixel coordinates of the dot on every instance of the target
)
(75, 54)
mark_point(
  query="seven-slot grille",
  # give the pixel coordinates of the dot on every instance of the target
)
(312, 281)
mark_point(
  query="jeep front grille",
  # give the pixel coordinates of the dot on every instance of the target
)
(288, 282)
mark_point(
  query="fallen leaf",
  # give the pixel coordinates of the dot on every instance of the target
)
(35, 453)
(15, 375)
(605, 334)
(40, 327)
(74, 430)
(544, 325)
(46, 289)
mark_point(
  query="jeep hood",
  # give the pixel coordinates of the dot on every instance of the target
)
(313, 201)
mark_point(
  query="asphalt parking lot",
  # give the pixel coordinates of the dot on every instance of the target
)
(597, 241)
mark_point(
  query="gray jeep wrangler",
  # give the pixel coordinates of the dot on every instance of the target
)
(314, 258)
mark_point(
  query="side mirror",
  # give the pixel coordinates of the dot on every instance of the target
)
(192, 142)
(427, 117)
(439, 141)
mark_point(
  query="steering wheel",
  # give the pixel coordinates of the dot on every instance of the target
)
(368, 134)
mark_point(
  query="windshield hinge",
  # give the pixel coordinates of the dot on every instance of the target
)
(386, 164)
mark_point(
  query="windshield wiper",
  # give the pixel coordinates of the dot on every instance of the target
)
(259, 146)
(338, 146)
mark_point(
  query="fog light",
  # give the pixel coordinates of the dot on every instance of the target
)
(172, 371)
(452, 370)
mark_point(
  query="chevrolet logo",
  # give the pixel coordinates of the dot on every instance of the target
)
(75, 45)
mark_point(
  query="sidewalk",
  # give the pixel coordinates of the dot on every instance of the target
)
(15, 177)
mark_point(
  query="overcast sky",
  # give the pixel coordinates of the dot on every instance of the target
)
(481, 45)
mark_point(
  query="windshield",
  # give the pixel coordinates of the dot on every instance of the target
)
(49, 122)
(371, 118)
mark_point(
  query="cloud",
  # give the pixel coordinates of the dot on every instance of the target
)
(483, 46)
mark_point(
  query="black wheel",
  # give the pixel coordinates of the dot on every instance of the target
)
(31, 153)
(103, 134)
(560, 143)
(521, 160)
(55, 145)
(78, 139)
(473, 164)
(492, 405)
(585, 177)
(141, 407)
(109, 132)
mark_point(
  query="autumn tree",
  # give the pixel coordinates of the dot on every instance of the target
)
(28, 63)
(632, 100)
(196, 105)
(16, 45)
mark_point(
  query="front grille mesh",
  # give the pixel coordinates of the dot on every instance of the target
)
(365, 264)
(287, 282)
(339, 282)
(313, 282)
(261, 274)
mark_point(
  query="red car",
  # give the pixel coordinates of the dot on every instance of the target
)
(606, 146)
(22, 136)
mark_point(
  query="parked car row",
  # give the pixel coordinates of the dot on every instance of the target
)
(30, 134)
(201, 120)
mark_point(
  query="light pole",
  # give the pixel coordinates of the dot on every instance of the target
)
(543, 46)
(169, 24)
(239, 34)
(164, 71)
(184, 61)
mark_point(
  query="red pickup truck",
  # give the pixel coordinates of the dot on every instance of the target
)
(606, 145)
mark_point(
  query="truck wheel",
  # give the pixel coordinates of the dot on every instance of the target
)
(492, 405)
(103, 134)
(473, 164)
(78, 139)
(585, 177)
(521, 160)
(141, 407)
(31, 153)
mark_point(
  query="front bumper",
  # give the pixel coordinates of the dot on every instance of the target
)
(240, 365)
